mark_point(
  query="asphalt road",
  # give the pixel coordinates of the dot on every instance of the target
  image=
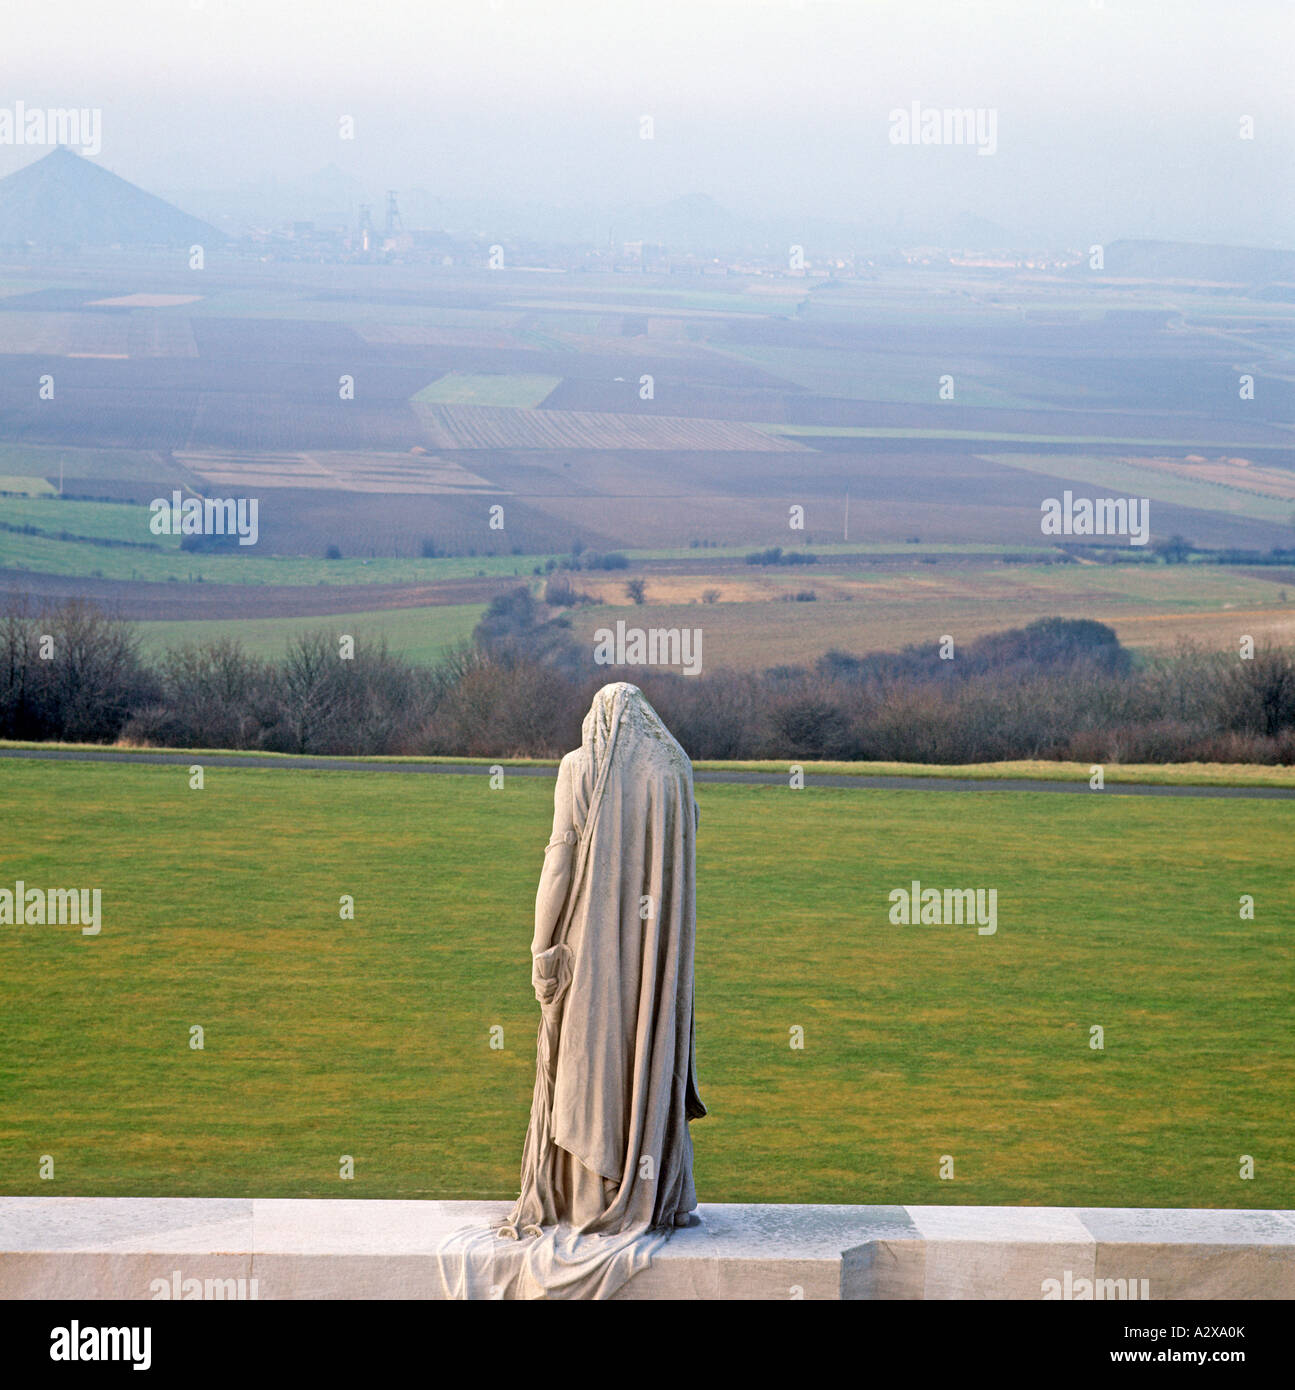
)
(767, 779)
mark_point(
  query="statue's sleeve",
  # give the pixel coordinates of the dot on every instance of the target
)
(559, 856)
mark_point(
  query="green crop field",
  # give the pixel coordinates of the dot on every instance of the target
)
(421, 634)
(466, 388)
(24, 485)
(82, 557)
(874, 376)
(986, 436)
(32, 461)
(1156, 484)
(116, 521)
(371, 1037)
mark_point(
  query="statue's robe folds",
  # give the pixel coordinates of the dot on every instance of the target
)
(607, 1164)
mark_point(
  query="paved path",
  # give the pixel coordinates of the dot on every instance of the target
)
(765, 779)
(342, 1248)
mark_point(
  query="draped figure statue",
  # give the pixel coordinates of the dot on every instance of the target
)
(607, 1160)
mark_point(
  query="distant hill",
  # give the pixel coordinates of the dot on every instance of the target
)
(968, 232)
(695, 222)
(329, 196)
(65, 200)
(1181, 260)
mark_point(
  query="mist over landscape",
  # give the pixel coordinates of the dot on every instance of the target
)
(661, 299)
(1116, 120)
(898, 397)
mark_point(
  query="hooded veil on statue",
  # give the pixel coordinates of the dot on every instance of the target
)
(607, 1163)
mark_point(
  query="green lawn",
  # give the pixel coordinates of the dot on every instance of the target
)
(371, 1038)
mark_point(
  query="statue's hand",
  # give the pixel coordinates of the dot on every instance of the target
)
(546, 986)
(551, 973)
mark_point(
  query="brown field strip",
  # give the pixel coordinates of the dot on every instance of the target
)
(335, 471)
(506, 427)
(26, 332)
(1240, 473)
(753, 635)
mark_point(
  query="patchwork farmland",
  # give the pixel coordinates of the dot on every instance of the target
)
(437, 429)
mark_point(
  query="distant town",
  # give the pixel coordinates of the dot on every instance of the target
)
(63, 203)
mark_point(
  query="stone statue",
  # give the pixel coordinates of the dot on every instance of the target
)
(607, 1162)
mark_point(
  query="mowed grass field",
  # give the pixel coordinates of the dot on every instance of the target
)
(371, 1037)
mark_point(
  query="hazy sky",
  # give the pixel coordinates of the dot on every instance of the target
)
(1114, 118)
